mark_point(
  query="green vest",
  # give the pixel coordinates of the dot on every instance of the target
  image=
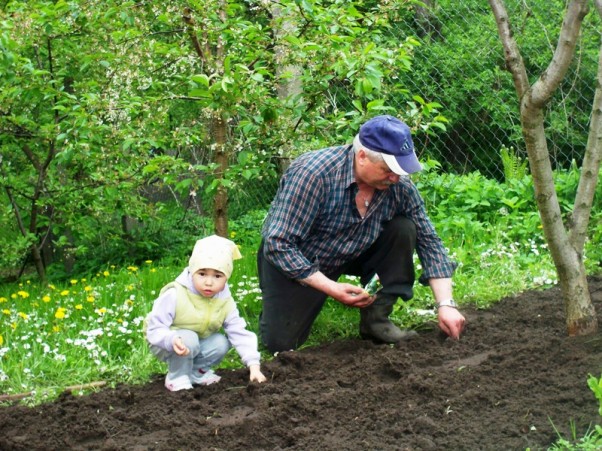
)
(202, 315)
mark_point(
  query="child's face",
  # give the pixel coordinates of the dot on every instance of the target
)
(209, 282)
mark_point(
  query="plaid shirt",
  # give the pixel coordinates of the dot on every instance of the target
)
(314, 225)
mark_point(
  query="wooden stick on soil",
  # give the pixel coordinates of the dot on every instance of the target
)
(69, 389)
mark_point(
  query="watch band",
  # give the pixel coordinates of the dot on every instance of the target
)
(447, 303)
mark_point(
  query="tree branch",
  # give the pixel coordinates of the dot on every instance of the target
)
(189, 21)
(514, 60)
(591, 163)
(549, 80)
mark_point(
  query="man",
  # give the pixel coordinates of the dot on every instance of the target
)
(350, 210)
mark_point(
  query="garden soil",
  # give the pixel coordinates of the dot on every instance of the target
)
(514, 380)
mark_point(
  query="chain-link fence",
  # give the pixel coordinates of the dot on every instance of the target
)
(460, 64)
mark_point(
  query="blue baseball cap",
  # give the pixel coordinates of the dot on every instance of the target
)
(393, 139)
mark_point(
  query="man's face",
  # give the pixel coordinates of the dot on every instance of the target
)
(376, 174)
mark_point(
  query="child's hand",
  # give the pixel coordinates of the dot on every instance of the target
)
(179, 347)
(256, 374)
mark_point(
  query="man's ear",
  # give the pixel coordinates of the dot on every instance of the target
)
(361, 156)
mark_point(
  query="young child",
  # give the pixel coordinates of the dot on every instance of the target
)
(183, 327)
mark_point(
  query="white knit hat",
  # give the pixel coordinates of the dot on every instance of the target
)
(214, 252)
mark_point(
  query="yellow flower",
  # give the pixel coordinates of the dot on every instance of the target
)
(132, 268)
(46, 298)
(106, 273)
(13, 325)
(3, 299)
(1, 340)
(13, 296)
(87, 288)
(65, 293)
(101, 311)
(6, 311)
(79, 307)
(84, 280)
(90, 299)
(73, 281)
(56, 329)
(232, 234)
(60, 313)
(153, 270)
(148, 262)
(23, 315)
(52, 287)
(23, 294)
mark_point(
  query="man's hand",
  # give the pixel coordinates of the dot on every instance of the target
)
(352, 295)
(451, 321)
(345, 293)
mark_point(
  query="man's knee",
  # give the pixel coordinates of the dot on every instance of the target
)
(276, 339)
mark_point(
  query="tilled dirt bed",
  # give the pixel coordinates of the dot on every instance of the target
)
(511, 381)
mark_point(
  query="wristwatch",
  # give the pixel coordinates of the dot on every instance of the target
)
(447, 303)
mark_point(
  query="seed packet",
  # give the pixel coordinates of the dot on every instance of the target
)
(373, 286)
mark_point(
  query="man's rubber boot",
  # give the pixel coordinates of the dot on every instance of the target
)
(375, 323)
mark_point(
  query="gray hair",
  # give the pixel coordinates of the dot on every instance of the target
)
(373, 156)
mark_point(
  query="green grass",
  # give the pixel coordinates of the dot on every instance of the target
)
(89, 329)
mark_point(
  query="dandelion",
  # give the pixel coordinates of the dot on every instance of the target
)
(73, 281)
(1, 340)
(87, 288)
(101, 311)
(106, 273)
(90, 298)
(132, 268)
(46, 298)
(3, 299)
(148, 262)
(60, 313)
(65, 293)
(23, 315)
(56, 329)
(23, 294)
(79, 307)
(6, 311)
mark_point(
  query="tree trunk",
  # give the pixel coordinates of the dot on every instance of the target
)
(566, 246)
(290, 83)
(220, 207)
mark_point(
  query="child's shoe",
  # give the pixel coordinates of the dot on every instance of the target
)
(201, 377)
(179, 383)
